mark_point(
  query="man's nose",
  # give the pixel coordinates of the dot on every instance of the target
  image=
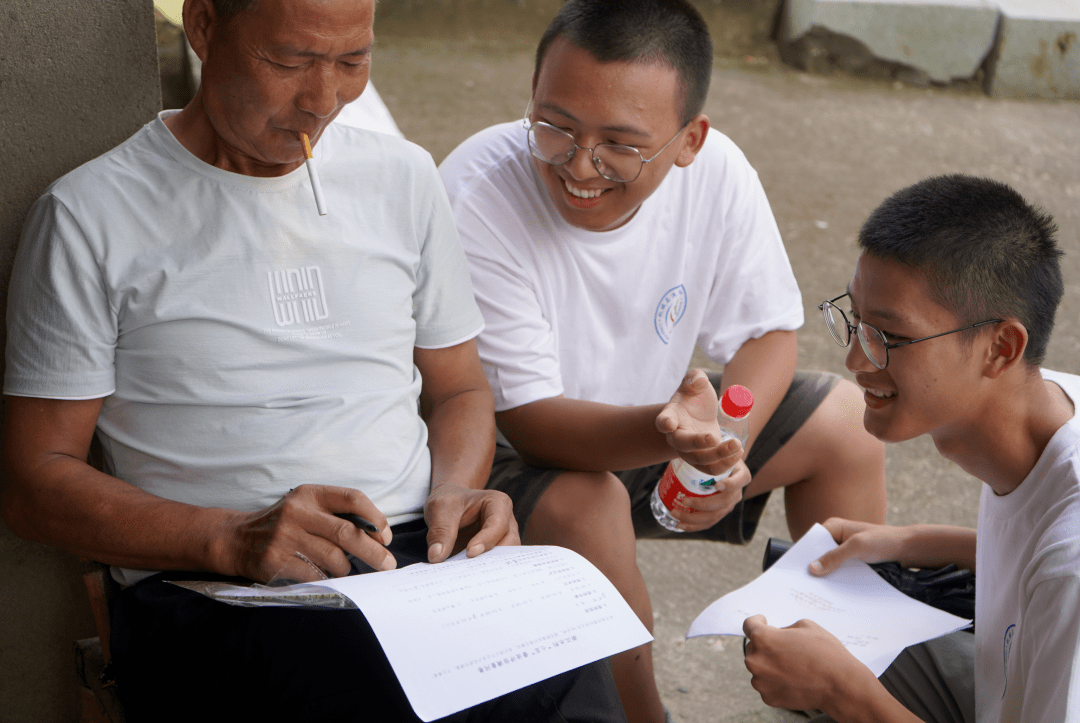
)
(582, 166)
(322, 91)
(856, 360)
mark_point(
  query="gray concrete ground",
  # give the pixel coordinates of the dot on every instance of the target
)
(828, 149)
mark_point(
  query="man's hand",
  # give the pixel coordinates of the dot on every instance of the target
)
(278, 542)
(801, 667)
(862, 540)
(707, 511)
(474, 520)
(689, 423)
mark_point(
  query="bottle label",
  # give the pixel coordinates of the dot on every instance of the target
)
(672, 488)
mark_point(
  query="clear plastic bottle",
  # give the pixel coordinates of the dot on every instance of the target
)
(680, 479)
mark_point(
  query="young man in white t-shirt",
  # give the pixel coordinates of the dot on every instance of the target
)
(606, 238)
(953, 302)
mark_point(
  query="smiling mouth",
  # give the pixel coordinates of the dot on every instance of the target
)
(583, 192)
(880, 393)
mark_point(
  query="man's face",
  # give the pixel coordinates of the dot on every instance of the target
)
(632, 104)
(279, 69)
(927, 388)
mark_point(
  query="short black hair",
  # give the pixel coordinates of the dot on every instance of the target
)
(986, 252)
(668, 32)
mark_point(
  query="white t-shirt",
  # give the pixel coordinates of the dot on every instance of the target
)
(1027, 598)
(614, 316)
(244, 344)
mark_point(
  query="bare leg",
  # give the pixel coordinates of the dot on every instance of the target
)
(831, 467)
(589, 513)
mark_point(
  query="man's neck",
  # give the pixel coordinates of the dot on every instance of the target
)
(195, 132)
(1006, 435)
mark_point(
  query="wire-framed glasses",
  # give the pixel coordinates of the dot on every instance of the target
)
(613, 161)
(872, 340)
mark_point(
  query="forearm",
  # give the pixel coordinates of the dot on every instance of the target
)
(586, 436)
(933, 546)
(766, 367)
(866, 702)
(70, 505)
(461, 437)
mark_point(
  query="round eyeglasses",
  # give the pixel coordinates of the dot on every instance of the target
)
(613, 161)
(872, 340)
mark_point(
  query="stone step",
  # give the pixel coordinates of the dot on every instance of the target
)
(1029, 48)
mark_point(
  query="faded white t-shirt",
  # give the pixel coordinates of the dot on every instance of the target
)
(613, 316)
(1027, 595)
(244, 344)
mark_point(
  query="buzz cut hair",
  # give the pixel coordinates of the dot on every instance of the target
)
(985, 252)
(667, 32)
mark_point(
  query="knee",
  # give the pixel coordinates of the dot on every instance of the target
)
(583, 505)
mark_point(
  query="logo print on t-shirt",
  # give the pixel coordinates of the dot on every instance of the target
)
(671, 308)
(1006, 649)
(297, 295)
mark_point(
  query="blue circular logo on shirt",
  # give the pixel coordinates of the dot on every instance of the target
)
(669, 311)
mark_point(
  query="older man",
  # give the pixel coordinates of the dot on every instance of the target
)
(251, 369)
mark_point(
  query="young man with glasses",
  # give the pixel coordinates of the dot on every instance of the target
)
(953, 301)
(607, 234)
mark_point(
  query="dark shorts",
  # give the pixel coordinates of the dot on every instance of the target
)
(180, 656)
(526, 484)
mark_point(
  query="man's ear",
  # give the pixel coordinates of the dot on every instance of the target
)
(696, 130)
(200, 24)
(1006, 349)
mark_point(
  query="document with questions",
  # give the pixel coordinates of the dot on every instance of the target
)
(465, 631)
(874, 620)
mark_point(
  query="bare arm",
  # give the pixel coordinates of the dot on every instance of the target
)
(926, 546)
(587, 436)
(52, 495)
(457, 404)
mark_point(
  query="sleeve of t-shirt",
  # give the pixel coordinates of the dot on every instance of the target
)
(494, 217)
(61, 328)
(444, 308)
(1050, 646)
(754, 290)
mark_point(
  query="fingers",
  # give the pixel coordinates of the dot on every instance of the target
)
(860, 540)
(499, 528)
(477, 520)
(753, 624)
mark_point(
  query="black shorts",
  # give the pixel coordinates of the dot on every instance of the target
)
(526, 484)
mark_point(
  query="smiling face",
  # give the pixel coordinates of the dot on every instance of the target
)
(633, 104)
(269, 73)
(931, 387)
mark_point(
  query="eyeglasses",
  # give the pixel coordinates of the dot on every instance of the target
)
(613, 161)
(872, 340)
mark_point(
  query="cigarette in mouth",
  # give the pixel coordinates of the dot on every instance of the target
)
(313, 174)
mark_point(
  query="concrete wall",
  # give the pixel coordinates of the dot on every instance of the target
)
(76, 78)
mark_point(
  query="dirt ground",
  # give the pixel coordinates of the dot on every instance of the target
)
(828, 150)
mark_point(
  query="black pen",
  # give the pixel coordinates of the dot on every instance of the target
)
(365, 525)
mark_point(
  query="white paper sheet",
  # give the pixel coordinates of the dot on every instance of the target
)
(465, 631)
(874, 620)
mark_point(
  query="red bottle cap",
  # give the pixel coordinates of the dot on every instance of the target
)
(737, 401)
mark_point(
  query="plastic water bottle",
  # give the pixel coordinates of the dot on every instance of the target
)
(681, 479)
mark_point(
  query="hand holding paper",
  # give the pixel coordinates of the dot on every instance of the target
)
(852, 603)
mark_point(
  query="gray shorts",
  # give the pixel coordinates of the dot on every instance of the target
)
(526, 484)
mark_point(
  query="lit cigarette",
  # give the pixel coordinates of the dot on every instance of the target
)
(313, 174)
